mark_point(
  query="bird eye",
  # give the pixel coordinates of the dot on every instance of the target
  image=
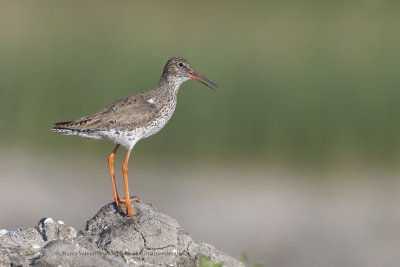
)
(180, 64)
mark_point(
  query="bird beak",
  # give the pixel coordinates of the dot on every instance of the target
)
(203, 80)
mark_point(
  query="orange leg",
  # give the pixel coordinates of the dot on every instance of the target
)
(111, 166)
(128, 200)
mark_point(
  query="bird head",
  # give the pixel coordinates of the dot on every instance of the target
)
(179, 70)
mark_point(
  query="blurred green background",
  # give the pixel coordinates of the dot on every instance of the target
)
(294, 160)
(300, 81)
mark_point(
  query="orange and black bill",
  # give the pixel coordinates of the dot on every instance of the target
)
(203, 80)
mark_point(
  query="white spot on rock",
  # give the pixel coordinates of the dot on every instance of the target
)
(3, 231)
(151, 101)
(60, 222)
(48, 220)
(35, 246)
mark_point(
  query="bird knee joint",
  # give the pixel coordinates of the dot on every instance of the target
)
(124, 168)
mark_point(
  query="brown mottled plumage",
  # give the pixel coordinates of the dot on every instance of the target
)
(124, 114)
(135, 117)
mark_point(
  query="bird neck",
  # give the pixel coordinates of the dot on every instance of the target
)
(169, 84)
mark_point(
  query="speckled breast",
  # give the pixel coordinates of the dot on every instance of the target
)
(160, 120)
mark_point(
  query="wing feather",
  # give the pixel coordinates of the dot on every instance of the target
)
(127, 113)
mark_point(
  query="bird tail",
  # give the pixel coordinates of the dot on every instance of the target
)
(61, 127)
(76, 132)
(72, 128)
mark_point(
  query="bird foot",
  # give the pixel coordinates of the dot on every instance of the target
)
(119, 200)
(122, 200)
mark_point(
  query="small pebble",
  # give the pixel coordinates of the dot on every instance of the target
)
(3, 231)
(60, 222)
(35, 246)
(79, 233)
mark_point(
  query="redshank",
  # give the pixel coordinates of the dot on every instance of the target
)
(133, 118)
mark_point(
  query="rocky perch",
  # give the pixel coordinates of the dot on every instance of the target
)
(111, 238)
